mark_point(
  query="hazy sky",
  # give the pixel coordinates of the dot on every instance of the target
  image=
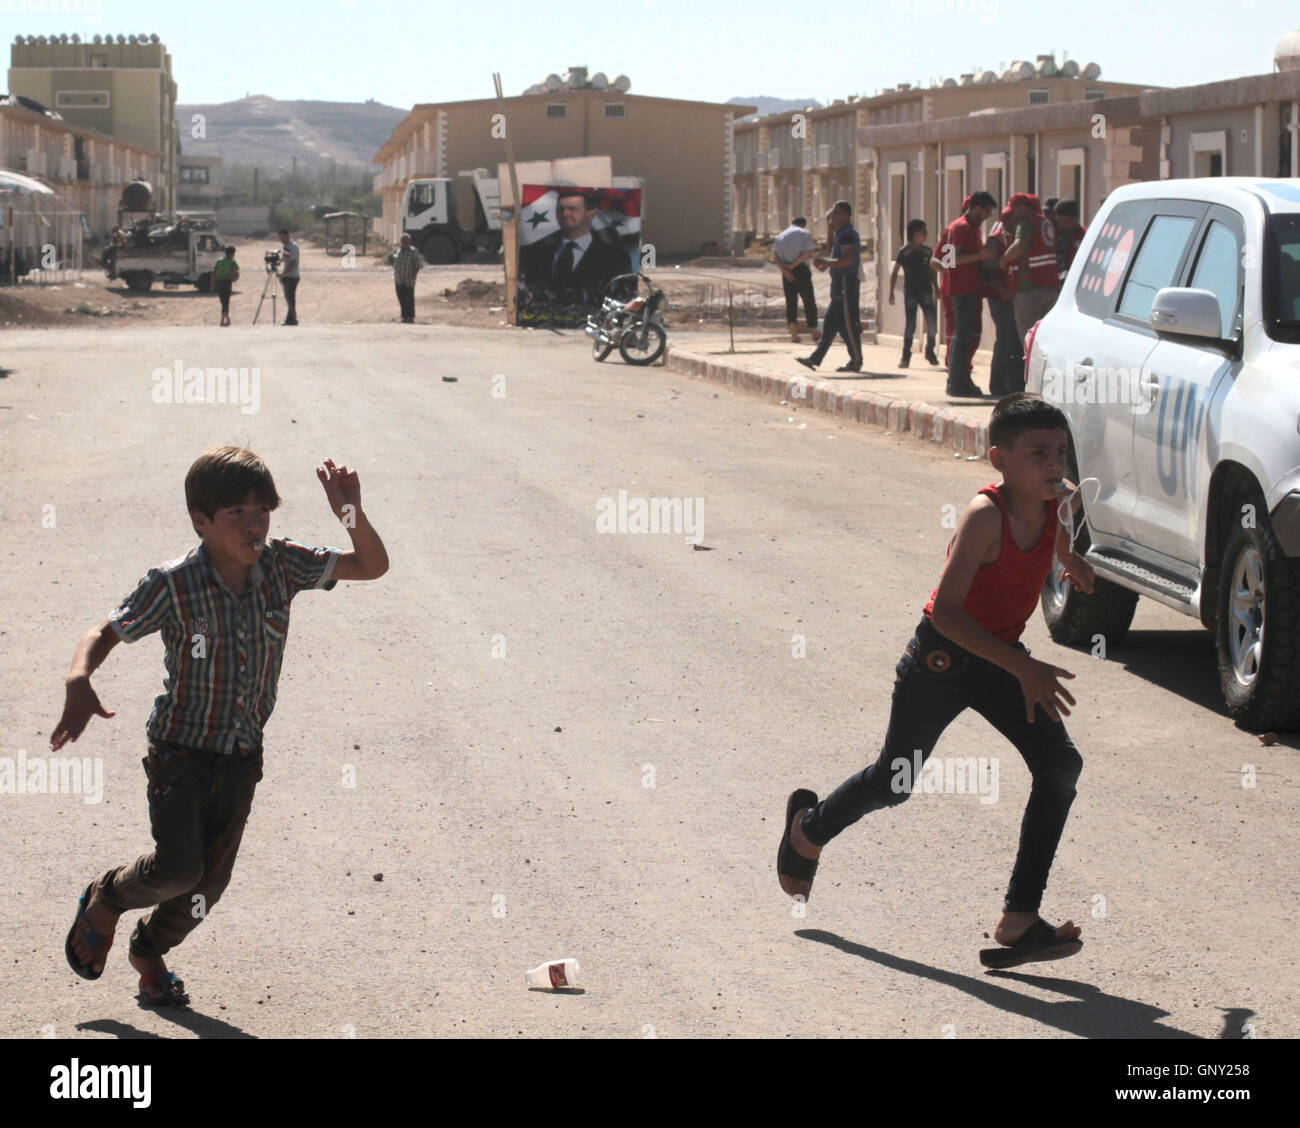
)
(406, 51)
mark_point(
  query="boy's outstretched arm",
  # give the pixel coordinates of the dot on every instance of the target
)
(1077, 570)
(978, 532)
(80, 701)
(368, 559)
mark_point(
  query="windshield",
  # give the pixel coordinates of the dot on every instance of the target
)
(1282, 278)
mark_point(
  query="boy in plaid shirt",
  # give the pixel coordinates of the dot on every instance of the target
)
(223, 610)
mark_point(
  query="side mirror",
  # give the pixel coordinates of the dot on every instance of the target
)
(1186, 313)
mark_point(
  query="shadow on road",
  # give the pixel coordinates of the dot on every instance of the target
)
(203, 1025)
(1094, 1015)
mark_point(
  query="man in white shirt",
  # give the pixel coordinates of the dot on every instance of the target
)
(791, 251)
(289, 276)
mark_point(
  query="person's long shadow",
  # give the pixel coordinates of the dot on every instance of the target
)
(205, 1026)
(1095, 1014)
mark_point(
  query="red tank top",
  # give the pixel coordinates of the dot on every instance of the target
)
(1003, 594)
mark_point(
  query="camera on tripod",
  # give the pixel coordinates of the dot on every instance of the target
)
(272, 260)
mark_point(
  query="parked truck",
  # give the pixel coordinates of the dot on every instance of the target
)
(450, 220)
(174, 252)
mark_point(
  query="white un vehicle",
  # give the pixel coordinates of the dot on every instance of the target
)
(1174, 351)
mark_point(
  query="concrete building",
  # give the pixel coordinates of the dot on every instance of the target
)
(198, 184)
(86, 168)
(682, 150)
(1078, 150)
(121, 87)
(801, 162)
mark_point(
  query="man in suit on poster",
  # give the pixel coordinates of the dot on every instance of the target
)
(573, 264)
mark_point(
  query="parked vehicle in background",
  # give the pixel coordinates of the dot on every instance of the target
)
(177, 252)
(1174, 351)
(451, 220)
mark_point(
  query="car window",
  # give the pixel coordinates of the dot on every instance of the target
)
(1281, 281)
(1154, 266)
(1217, 271)
(1111, 242)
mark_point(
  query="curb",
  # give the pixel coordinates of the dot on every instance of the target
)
(941, 426)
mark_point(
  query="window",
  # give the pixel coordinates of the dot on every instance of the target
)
(81, 99)
(193, 175)
(421, 198)
(1111, 247)
(1217, 271)
(1153, 268)
(1040, 97)
(1093, 95)
(557, 109)
(1282, 278)
(99, 60)
(1206, 153)
(615, 109)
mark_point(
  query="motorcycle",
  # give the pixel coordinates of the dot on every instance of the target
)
(635, 327)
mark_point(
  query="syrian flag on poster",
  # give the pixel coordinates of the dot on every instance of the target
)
(618, 211)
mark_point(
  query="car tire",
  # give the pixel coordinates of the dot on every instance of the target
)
(204, 284)
(141, 281)
(1258, 630)
(439, 250)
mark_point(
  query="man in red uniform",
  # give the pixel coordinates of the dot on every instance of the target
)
(1033, 254)
(949, 318)
(959, 252)
(965, 654)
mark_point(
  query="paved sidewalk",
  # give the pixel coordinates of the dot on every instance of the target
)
(904, 400)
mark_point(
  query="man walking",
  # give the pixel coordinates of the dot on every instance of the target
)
(843, 317)
(406, 263)
(960, 252)
(289, 276)
(791, 251)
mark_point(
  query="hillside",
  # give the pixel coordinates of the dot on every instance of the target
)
(769, 105)
(262, 130)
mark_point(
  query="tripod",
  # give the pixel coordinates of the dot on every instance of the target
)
(272, 285)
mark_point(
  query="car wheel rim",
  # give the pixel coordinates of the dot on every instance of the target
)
(1057, 587)
(1246, 616)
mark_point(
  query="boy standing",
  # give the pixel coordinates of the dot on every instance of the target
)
(916, 261)
(966, 653)
(223, 610)
(224, 276)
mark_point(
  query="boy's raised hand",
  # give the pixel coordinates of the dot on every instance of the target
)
(80, 704)
(1038, 682)
(342, 487)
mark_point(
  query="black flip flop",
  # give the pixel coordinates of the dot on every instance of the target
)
(1039, 942)
(789, 862)
(95, 940)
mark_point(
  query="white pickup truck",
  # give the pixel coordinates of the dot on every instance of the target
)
(1174, 351)
(172, 253)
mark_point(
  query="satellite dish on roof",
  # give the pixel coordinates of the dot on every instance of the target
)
(1092, 70)
(552, 82)
(1069, 69)
(600, 81)
(622, 84)
(950, 82)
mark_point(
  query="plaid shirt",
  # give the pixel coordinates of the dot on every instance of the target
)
(223, 650)
(406, 265)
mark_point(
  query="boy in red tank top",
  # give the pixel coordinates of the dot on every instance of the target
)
(966, 653)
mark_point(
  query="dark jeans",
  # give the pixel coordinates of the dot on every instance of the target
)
(290, 304)
(966, 313)
(843, 317)
(926, 303)
(801, 287)
(1008, 369)
(223, 292)
(406, 299)
(926, 701)
(198, 804)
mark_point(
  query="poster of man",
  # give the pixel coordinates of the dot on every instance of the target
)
(572, 242)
